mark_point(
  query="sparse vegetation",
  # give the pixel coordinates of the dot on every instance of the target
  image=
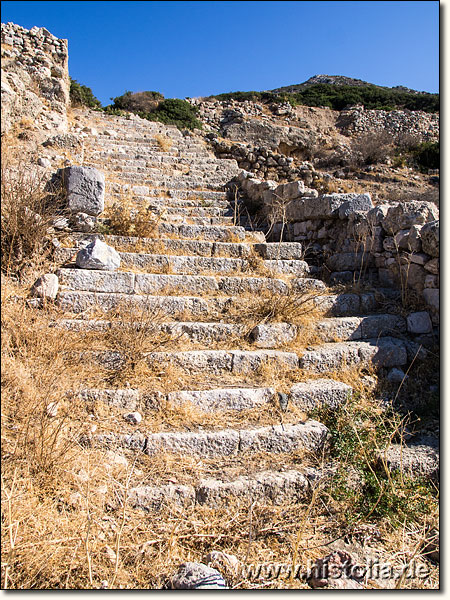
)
(28, 208)
(343, 96)
(81, 95)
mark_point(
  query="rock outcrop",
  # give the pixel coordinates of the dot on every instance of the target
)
(35, 79)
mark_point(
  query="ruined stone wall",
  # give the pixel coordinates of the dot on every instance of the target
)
(35, 79)
(350, 240)
(358, 120)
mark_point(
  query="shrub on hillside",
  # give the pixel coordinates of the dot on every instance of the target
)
(339, 97)
(176, 112)
(137, 102)
(427, 155)
(81, 95)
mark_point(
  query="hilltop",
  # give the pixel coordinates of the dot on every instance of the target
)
(338, 80)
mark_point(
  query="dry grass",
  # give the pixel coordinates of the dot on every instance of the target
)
(164, 142)
(27, 210)
(125, 218)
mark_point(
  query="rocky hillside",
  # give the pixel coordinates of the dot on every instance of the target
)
(220, 363)
(338, 80)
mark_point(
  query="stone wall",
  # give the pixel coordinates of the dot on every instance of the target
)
(35, 79)
(358, 120)
(349, 239)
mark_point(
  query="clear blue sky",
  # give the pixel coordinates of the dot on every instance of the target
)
(188, 49)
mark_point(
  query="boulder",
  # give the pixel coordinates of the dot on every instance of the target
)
(406, 214)
(85, 188)
(83, 222)
(430, 238)
(419, 322)
(361, 202)
(98, 255)
(46, 287)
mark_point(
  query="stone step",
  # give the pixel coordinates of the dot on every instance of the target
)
(275, 487)
(202, 362)
(180, 219)
(170, 247)
(196, 265)
(419, 458)
(193, 211)
(130, 164)
(149, 283)
(359, 328)
(210, 233)
(309, 436)
(266, 335)
(381, 352)
(157, 199)
(272, 335)
(307, 395)
(176, 307)
(193, 307)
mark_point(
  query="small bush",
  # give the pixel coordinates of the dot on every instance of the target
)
(164, 142)
(125, 219)
(137, 102)
(81, 95)
(176, 112)
(427, 155)
(27, 212)
(372, 148)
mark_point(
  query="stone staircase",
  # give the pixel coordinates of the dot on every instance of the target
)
(195, 275)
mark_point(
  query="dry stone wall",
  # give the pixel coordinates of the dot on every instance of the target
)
(358, 120)
(349, 239)
(35, 78)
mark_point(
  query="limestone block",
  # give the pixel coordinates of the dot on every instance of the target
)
(46, 286)
(430, 238)
(419, 322)
(99, 256)
(406, 214)
(85, 189)
(318, 393)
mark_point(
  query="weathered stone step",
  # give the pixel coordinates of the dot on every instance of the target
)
(381, 352)
(210, 233)
(309, 436)
(130, 164)
(169, 196)
(160, 246)
(307, 395)
(359, 328)
(211, 308)
(344, 305)
(276, 487)
(179, 219)
(271, 335)
(149, 283)
(192, 211)
(416, 459)
(176, 307)
(204, 362)
(196, 265)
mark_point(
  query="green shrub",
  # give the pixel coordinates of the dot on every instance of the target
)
(339, 97)
(176, 112)
(138, 101)
(81, 95)
(427, 155)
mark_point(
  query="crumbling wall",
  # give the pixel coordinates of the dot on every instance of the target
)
(349, 239)
(35, 79)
